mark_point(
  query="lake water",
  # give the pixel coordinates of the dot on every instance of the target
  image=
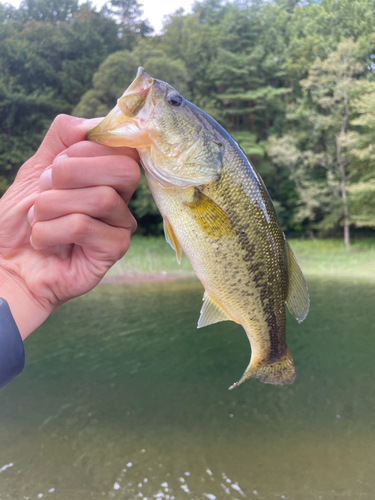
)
(122, 398)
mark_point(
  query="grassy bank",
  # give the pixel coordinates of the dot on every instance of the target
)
(331, 258)
(320, 257)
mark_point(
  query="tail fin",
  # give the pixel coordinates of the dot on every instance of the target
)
(280, 372)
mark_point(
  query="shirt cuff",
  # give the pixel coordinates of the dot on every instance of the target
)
(12, 354)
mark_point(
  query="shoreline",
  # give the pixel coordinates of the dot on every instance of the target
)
(133, 277)
(144, 277)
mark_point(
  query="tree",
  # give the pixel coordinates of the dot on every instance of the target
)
(52, 11)
(48, 54)
(315, 28)
(185, 38)
(210, 11)
(362, 141)
(127, 14)
(109, 83)
(318, 151)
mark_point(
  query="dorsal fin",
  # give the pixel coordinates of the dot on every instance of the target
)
(211, 313)
(171, 239)
(298, 300)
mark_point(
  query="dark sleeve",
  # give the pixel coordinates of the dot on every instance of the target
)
(12, 354)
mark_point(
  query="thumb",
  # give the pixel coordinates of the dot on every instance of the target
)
(64, 131)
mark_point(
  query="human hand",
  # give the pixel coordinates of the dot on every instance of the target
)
(65, 221)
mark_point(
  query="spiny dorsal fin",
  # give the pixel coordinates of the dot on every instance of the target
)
(211, 313)
(210, 217)
(298, 300)
(171, 239)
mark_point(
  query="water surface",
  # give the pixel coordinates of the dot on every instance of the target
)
(122, 398)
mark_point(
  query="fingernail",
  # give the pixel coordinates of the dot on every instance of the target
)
(30, 215)
(45, 181)
(31, 241)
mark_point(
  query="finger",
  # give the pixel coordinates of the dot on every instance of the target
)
(120, 172)
(100, 202)
(103, 241)
(88, 149)
(64, 131)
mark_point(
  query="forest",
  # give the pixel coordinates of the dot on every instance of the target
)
(292, 81)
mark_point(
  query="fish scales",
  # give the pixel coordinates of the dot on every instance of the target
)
(216, 209)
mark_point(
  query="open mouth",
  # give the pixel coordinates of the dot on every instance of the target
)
(120, 127)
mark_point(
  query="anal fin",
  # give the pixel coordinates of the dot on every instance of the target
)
(171, 238)
(297, 300)
(211, 313)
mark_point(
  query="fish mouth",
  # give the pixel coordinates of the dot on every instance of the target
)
(123, 125)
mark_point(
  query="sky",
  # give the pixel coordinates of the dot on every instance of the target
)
(153, 10)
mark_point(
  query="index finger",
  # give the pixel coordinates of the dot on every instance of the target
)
(120, 172)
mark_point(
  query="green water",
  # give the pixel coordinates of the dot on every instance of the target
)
(122, 398)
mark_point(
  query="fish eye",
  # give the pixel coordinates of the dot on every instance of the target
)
(175, 100)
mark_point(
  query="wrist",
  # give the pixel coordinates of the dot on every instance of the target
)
(27, 311)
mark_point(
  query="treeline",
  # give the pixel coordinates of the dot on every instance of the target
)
(292, 81)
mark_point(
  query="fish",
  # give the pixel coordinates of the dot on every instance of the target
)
(217, 210)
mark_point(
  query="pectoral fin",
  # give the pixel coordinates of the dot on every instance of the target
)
(210, 217)
(211, 313)
(171, 239)
(298, 300)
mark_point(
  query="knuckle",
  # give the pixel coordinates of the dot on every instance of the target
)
(123, 245)
(134, 224)
(108, 199)
(80, 224)
(58, 123)
(132, 173)
(126, 170)
(42, 201)
(119, 246)
(37, 234)
(133, 170)
(59, 119)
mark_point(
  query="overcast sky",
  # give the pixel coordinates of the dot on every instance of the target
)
(153, 10)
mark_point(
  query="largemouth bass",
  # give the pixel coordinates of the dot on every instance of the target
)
(217, 210)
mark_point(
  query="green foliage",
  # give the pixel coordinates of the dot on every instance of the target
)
(109, 83)
(362, 187)
(249, 145)
(49, 52)
(291, 81)
(52, 11)
(117, 72)
(317, 148)
(127, 14)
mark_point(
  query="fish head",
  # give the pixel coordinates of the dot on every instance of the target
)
(152, 114)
